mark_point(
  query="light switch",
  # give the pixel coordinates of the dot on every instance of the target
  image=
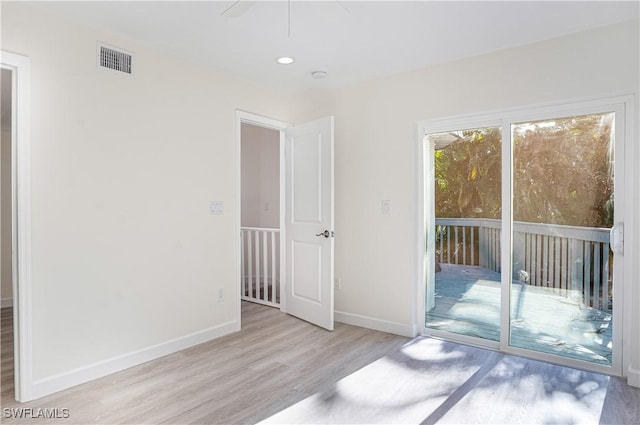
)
(386, 207)
(216, 207)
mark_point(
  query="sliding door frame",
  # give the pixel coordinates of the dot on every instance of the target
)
(425, 244)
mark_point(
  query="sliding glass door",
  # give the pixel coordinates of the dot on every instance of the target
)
(563, 211)
(519, 216)
(467, 191)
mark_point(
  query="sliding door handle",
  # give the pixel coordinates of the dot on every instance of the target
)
(616, 238)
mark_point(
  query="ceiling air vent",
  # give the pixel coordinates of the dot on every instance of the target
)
(116, 59)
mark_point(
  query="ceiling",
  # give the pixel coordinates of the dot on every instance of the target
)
(351, 41)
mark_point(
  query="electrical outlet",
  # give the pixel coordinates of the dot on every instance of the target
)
(220, 295)
(338, 283)
(386, 207)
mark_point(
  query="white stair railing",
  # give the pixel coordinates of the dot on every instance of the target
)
(260, 265)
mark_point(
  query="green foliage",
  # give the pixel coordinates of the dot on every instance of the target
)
(467, 175)
(563, 172)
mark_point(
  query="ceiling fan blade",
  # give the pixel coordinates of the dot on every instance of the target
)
(343, 6)
(237, 8)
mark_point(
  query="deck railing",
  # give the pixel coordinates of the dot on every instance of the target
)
(260, 248)
(571, 260)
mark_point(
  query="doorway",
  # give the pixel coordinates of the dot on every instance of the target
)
(16, 91)
(6, 179)
(304, 240)
(524, 232)
(6, 228)
(20, 206)
(260, 216)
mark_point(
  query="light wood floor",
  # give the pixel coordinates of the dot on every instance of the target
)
(275, 361)
(278, 365)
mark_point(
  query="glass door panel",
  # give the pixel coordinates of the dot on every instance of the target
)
(561, 291)
(465, 294)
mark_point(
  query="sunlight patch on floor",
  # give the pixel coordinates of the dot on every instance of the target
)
(433, 381)
(518, 391)
(431, 349)
(394, 389)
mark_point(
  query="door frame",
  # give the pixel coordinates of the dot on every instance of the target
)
(243, 117)
(21, 221)
(424, 220)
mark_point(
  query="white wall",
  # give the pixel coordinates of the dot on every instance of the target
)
(260, 177)
(126, 256)
(375, 152)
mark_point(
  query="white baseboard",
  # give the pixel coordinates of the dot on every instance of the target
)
(97, 370)
(6, 302)
(376, 324)
(633, 377)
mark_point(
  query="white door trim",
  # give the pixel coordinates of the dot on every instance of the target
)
(270, 123)
(21, 222)
(623, 362)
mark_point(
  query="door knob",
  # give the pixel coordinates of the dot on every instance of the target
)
(326, 234)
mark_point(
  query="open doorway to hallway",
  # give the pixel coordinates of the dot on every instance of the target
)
(260, 214)
(306, 188)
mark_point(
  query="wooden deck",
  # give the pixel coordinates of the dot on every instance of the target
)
(468, 302)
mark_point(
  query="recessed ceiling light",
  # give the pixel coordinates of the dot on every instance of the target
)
(285, 60)
(319, 74)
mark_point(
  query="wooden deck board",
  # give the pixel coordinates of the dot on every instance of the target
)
(468, 303)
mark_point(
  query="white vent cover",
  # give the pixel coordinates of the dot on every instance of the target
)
(114, 58)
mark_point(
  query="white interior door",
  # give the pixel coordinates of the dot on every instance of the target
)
(309, 222)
